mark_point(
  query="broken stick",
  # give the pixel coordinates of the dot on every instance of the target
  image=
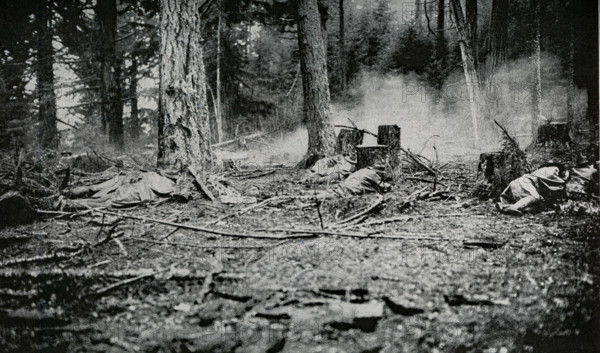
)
(198, 228)
(416, 160)
(372, 207)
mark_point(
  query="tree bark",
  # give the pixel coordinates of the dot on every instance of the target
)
(418, 20)
(112, 101)
(471, 18)
(536, 85)
(183, 129)
(498, 39)
(441, 46)
(218, 108)
(342, 47)
(313, 63)
(466, 52)
(47, 131)
(568, 54)
(134, 119)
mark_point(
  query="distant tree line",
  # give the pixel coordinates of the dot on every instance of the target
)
(253, 69)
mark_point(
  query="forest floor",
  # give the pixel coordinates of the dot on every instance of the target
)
(455, 277)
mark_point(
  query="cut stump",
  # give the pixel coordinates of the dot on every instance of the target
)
(389, 135)
(496, 170)
(347, 140)
(369, 155)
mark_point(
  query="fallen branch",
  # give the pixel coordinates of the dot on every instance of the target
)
(416, 160)
(125, 282)
(411, 217)
(196, 245)
(41, 258)
(425, 180)
(257, 205)
(371, 208)
(201, 184)
(196, 228)
(357, 235)
(252, 176)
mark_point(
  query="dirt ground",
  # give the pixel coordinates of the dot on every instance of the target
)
(455, 277)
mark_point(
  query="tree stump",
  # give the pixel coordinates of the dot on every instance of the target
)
(368, 155)
(554, 134)
(496, 170)
(389, 135)
(347, 140)
(15, 209)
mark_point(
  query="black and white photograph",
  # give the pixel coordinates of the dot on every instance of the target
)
(312, 176)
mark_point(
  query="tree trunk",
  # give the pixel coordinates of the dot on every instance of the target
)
(183, 130)
(219, 111)
(342, 48)
(47, 132)
(134, 120)
(498, 40)
(536, 86)
(568, 53)
(466, 52)
(418, 16)
(112, 102)
(440, 23)
(441, 47)
(471, 18)
(313, 63)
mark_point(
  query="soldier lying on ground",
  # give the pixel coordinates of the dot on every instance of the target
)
(544, 186)
(366, 180)
(332, 169)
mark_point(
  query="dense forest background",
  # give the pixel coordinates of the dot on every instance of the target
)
(83, 74)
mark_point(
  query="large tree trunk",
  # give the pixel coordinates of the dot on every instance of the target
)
(112, 102)
(536, 86)
(313, 63)
(183, 129)
(47, 132)
(498, 37)
(342, 47)
(466, 52)
(134, 119)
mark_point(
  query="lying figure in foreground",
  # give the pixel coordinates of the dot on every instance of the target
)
(547, 185)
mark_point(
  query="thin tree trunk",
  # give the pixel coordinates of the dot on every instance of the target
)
(568, 53)
(183, 129)
(441, 49)
(219, 111)
(47, 132)
(112, 101)
(418, 17)
(134, 120)
(317, 105)
(342, 47)
(536, 86)
(471, 18)
(468, 64)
